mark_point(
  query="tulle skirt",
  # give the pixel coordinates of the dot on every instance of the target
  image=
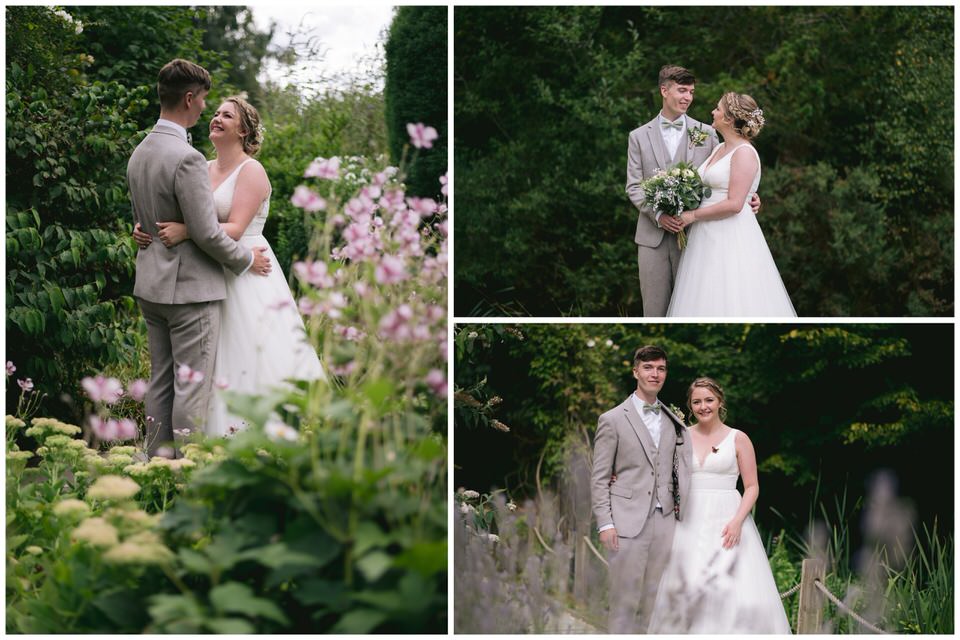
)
(708, 589)
(262, 342)
(727, 270)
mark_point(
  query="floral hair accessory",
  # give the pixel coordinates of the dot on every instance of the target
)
(756, 118)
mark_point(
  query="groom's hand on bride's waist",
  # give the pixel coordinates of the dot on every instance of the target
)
(261, 263)
(755, 203)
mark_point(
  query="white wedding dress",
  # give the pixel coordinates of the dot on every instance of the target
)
(263, 341)
(706, 588)
(726, 269)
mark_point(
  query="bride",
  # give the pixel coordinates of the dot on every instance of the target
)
(262, 340)
(726, 269)
(718, 578)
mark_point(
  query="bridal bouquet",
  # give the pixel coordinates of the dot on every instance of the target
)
(674, 191)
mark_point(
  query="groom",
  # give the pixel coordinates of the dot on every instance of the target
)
(671, 137)
(645, 446)
(178, 288)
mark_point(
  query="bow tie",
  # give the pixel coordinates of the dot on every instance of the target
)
(678, 125)
(652, 407)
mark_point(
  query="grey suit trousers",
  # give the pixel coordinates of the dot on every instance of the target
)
(178, 334)
(635, 572)
(658, 270)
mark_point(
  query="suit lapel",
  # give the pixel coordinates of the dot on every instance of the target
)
(656, 142)
(638, 426)
(685, 451)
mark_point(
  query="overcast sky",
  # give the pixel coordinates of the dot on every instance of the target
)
(347, 33)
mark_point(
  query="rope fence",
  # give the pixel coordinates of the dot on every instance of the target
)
(810, 610)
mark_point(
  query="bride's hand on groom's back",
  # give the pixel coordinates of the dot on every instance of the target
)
(142, 239)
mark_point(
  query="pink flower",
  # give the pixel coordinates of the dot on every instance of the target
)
(308, 307)
(390, 270)
(349, 333)
(102, 389)
(324, 169)
(25, 385)
(137, 389)
(10, 368)
(337, 220)
(343, 370)
(221, 383)
(444, 181)
(437, 382)
(421, 136)
(395, 325)
(314, 273)
(104, 429)
(306, 199)
(186, 375)
(126, 429)
(371, 191)
(165, 452)
(436, 312)
(360, 208)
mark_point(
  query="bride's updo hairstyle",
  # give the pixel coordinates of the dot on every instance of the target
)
(249, 122)
(746, 115)
(714, 387)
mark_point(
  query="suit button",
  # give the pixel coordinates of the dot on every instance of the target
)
(648, 493)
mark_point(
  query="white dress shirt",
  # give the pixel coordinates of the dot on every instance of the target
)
(671, 135)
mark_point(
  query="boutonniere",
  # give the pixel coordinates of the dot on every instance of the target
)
(675, 410)
(697, 137)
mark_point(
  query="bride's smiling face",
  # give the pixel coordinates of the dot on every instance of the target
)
(225, 123)
(719, 116)
(704, 404)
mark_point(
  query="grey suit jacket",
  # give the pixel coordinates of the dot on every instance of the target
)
(168, 182)
(623, 446)
(646, 155)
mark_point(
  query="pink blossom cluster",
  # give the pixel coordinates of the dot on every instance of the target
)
(109, 390)
(404, 242)
(112, 428)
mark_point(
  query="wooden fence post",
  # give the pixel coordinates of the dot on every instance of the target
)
(581, 556)
(810, 610)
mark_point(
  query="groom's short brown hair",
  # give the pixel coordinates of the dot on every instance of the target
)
(673, 73)
(648, 353)
(176, 78)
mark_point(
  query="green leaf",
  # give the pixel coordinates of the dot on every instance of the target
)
(427, 558)
(369, 536)
(332, 594)
(236, 626)
(374, 565)
(378, 391)
(195, 561)
(359, 621)
(234, 597)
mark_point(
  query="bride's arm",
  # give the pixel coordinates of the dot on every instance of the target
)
(252, 187)
(747, 461)
(743, 167)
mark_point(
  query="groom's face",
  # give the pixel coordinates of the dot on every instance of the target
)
(676, 97)
(196, 102)
(651, 375)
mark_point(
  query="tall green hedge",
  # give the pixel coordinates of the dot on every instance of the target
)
(416, 90)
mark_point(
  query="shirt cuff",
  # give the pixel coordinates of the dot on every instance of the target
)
(605, 527)
(253, 256)
(657, 219)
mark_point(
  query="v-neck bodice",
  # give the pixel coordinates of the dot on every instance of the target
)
(719, 470)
